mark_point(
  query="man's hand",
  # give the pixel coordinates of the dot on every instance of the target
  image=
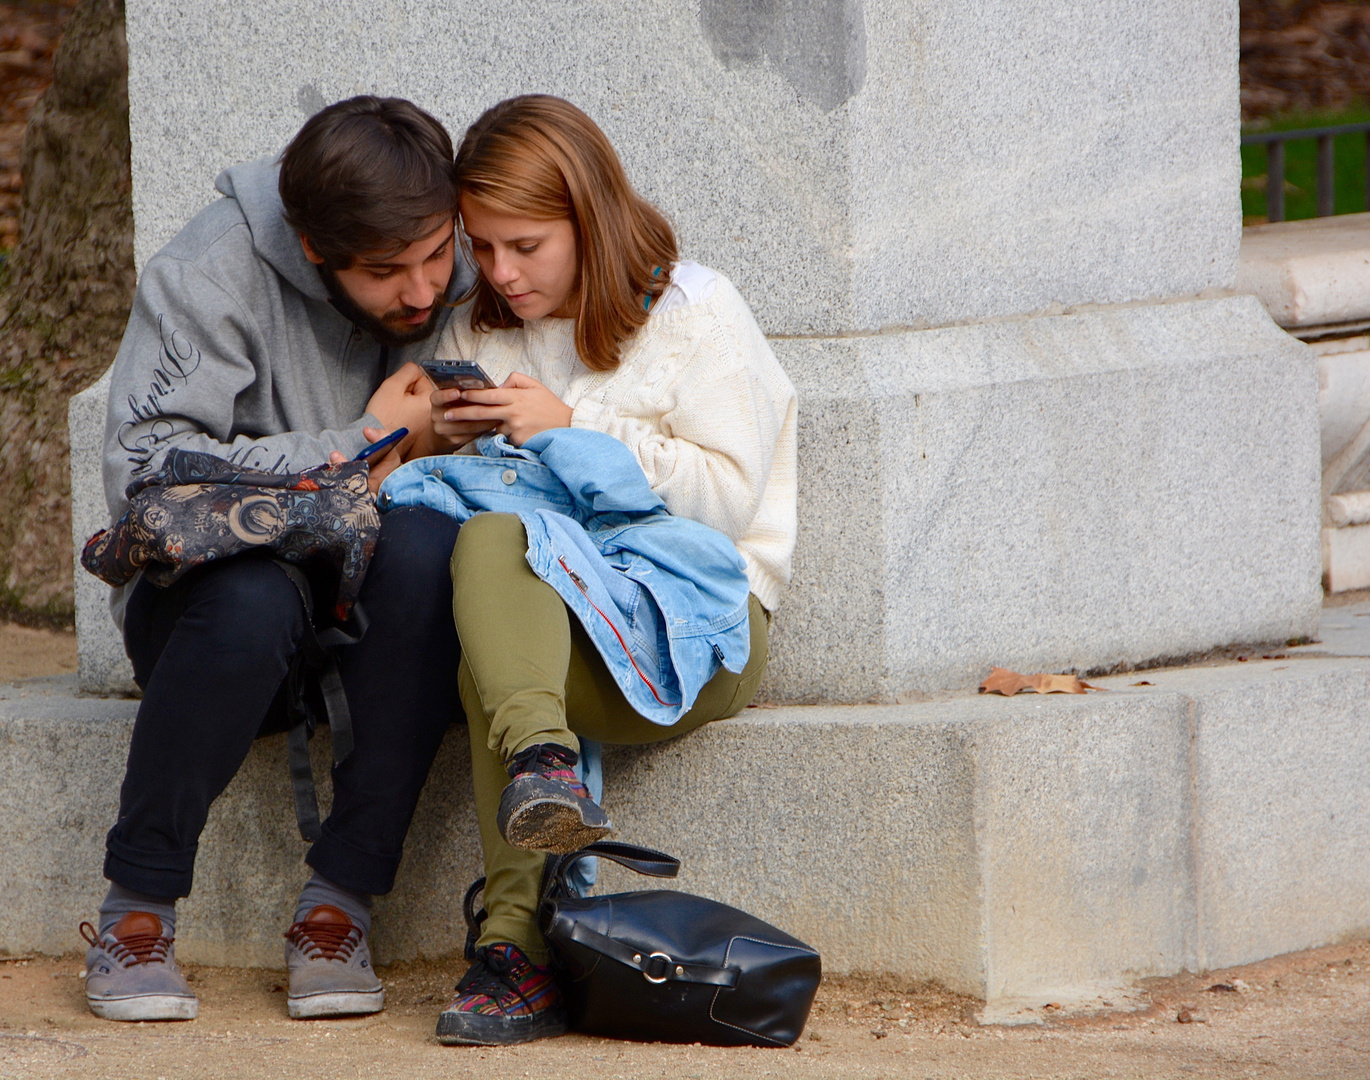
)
(381, 466)
(402, 401)
(519, 409)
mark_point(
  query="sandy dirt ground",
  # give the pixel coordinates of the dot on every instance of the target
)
(1294, 1017)
(26, 653)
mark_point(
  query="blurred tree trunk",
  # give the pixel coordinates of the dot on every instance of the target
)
(1275, 14)
(1303, 56)
(65, 297)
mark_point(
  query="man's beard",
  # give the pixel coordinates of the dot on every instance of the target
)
(394, 334)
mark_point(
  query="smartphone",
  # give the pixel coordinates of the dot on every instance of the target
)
(380, 446)
(457, 375)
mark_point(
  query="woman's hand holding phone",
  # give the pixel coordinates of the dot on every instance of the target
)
(519, 409)
(454, 434)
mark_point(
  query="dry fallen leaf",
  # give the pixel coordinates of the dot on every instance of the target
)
(1060, 684)
(1008, 683)
(1003, 681)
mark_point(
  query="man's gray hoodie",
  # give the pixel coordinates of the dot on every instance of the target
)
(234, 348)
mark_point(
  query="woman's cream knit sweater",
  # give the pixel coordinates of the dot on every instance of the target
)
(698, 397)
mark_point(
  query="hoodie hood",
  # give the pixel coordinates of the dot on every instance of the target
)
(254, 185)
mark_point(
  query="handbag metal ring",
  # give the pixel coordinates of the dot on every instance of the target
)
(667, 966)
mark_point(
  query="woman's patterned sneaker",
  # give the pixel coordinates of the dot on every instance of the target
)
(545, 807)
(131, 972)
(503, 999)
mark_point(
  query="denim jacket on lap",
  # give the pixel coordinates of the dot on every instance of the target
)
(664, 599)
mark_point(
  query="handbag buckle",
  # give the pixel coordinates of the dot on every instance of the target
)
(664, 966)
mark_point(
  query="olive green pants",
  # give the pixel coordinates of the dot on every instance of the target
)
(530, 674)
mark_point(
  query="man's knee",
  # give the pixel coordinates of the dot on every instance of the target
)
(242, 612)
(413, 551)
(249, 592)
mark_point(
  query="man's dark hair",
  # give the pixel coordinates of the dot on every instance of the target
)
(367, 175)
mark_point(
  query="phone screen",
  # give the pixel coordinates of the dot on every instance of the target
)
(457, 375)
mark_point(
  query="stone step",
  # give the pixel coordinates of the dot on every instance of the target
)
(1021, 850)
(1309, 273)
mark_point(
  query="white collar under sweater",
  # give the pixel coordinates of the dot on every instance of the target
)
(698, 397)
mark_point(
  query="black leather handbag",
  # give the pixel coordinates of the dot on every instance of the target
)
(666, 966)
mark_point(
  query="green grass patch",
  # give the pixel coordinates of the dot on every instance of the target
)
(1301, 166)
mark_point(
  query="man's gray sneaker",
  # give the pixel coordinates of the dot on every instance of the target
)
(131, 972)
(330, 967)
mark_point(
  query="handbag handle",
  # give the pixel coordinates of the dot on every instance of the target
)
(642, 860)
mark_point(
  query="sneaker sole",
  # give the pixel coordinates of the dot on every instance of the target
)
(479, 1029)
(338, 1003)
(145, 1007)
(551, 826)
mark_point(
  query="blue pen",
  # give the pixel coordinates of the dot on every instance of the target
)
(382, 444)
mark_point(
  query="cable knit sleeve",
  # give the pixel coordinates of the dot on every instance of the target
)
(700, 412)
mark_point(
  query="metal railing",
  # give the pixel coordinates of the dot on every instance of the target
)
(1274, 159)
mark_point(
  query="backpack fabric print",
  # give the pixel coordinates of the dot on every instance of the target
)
(198, 507)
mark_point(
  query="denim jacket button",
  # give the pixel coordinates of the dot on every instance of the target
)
(436, 474)
(509, 476)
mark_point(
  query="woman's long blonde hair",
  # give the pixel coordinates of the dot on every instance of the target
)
(540, 157)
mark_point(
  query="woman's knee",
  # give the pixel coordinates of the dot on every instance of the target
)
(489, 540)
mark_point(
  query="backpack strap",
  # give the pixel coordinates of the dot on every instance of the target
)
(315, 656)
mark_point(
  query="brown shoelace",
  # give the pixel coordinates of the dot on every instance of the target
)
(332, 941)
(133, 949)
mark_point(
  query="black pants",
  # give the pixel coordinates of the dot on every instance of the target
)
(211, 653)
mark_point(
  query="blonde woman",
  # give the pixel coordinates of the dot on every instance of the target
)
(586, 317)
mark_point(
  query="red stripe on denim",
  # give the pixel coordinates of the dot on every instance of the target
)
(585, 593)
